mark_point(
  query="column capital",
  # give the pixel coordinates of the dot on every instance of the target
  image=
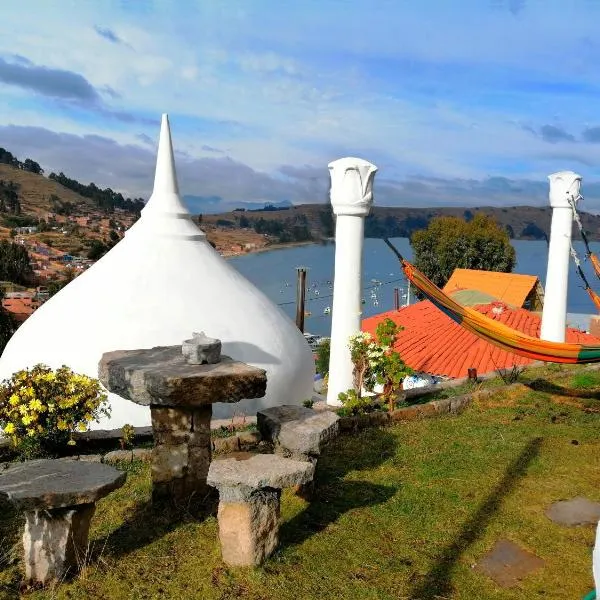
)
(351, 186)
(564, 185)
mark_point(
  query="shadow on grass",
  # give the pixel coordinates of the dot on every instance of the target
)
(147, 522)
(542, 385)
(333, 495)
(438, 582)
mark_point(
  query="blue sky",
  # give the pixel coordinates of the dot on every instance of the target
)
(472, 102)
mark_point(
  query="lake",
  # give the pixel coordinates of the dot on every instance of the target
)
(274, 272)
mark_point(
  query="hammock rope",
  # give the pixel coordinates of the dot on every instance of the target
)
(591, 293)
(588, 251)
(493, 331)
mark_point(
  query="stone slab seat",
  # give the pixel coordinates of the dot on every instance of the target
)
(297, 431)
(249, 503)
(58, 498)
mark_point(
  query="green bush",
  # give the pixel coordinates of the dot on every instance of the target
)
(322, 360)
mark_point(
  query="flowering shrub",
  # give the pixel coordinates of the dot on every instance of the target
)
(40, 409)
(375, 362)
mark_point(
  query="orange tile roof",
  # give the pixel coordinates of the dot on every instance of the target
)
(511, 288)
(433, 343)
(20, 308)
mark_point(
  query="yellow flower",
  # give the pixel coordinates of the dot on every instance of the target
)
(87, 417)
(10, 428)
(82, 426)
(26, 420)
(13, 400)
(71, 442)
(30, 432)
(36, 405)
(62, 425)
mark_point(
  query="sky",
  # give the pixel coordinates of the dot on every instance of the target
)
(457, 103)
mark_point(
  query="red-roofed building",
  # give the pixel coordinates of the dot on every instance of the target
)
(20, 308)
(433, 343)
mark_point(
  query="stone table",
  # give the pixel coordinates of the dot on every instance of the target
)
(249, 503)
(58, 498)
(180, 384)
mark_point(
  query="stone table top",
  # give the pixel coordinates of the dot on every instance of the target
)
(162, 376)
(47, 484)
(259, 471)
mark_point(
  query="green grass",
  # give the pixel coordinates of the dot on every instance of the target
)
(399, 513)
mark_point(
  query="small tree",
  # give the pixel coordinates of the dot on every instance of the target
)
(322, 360)
(449, 243)
(391, 369)
(375, 362)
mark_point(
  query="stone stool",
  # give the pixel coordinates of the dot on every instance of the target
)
(58, 498)
(298, 432)
(249, 503)
(180, 390)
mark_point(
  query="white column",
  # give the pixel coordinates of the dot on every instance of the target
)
(563, 186)
(351, 197)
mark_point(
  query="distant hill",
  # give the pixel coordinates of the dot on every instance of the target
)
(521, 222)
(35, 191)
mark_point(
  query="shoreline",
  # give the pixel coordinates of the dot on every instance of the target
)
(270, 247)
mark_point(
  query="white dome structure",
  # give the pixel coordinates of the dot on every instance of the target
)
(159, 284)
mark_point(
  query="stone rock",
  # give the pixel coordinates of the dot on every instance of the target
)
(116, 456)
(297, 430)
(143, 454)
(249, 439)
(55, 542)
(169, 462)
(201, 349)
(506, 563)
(181, 425)
(227, 444)
(248, 531)
(237, 480)
(96, 458)
(579, 511)
(161, 376)
(49, 484)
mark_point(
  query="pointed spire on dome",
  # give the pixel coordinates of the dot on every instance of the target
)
(165, 177)
(165, 213)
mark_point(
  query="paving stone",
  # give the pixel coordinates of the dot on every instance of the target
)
(47, 484)
(579, 511)
(507, 564)
(161, 376)
(301, 431)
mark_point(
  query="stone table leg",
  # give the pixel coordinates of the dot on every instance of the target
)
(181, 454)
(56, 542)
(248, 525)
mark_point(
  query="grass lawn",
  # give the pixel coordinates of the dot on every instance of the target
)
(400, 513)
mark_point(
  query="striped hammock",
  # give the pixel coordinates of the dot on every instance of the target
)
(493, 331)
